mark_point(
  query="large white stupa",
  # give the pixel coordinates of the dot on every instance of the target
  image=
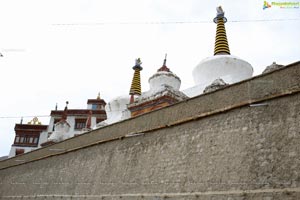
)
(222, 65)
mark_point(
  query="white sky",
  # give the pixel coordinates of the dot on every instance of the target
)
(45, 64)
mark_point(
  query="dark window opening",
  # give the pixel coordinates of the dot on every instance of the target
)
(19, 151)
(98, 120)
(80, 123)
(55, 121)
(26, 140)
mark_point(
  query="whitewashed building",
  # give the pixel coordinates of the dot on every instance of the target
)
(28, 137)
(34, 135)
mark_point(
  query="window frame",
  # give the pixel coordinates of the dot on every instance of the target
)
(80, 123)
(26, 139)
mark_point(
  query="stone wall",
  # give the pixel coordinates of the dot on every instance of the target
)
(247, 149)
(263, 87)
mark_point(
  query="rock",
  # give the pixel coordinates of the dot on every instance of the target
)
(272, 67)
(216, 84)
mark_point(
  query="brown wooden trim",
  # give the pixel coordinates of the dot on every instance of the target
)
(34, 127)
(96, 101)
(78, 112)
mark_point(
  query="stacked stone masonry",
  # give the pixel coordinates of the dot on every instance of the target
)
(241, 142)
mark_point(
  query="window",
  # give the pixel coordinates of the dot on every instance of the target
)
(19, 151)
(21, 140)
(26, 140)
(98, 120)
(80, 123)
(17, 139)
(94, 106)
(55, 121)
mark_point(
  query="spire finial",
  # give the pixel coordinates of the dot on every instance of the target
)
(56, 106)
(65, 113)
(98, 97)
(220, 14)
(221, 44)
(165, 60)
(137, 65)
(136, 81)
(164, 66)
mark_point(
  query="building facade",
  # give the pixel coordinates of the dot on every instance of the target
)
(28, 137)
(34, 135)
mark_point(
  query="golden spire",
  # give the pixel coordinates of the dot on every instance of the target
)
(221, 45)
(136, 81)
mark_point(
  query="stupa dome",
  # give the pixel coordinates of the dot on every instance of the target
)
(227, 67)
(116, 110)
(230, 69)
(164, 77)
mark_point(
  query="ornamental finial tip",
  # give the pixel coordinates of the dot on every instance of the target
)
(138, 62)
(220, 15)
(165, 60)
(137, 65)
(220, 10)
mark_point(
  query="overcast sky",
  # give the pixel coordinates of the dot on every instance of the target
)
(59, 50)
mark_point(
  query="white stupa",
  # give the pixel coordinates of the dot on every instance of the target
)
(164, 77)
(116, 110)
(222, 65)
(164, 80)
(61, 129)
(164, 91)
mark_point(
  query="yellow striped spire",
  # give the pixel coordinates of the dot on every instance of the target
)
(221, 44)
(136, 81)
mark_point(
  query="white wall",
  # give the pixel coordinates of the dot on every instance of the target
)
(12, 152)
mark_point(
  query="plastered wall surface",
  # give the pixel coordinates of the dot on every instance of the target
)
(243, 153)
(247, 152)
